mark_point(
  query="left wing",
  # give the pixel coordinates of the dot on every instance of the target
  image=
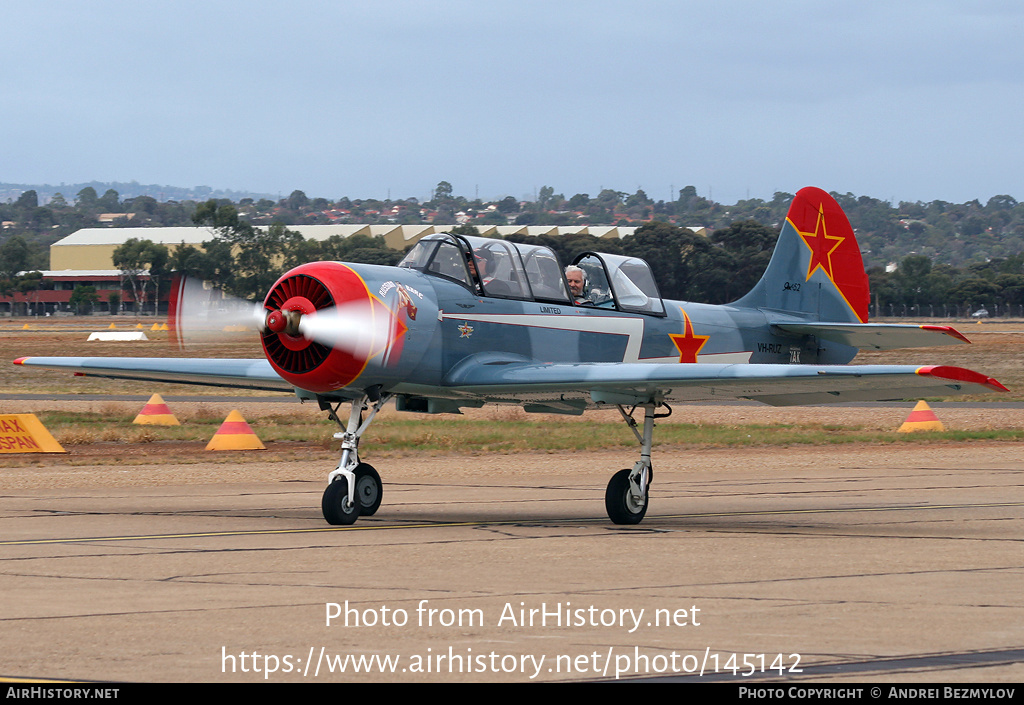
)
(777, 385)
(214, 372)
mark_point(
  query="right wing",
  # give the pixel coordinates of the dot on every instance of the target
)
(214, 372)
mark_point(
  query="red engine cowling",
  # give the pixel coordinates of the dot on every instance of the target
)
(303, 291)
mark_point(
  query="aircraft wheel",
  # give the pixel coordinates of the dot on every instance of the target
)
(335, 506)
(622, 508)
(369, 489)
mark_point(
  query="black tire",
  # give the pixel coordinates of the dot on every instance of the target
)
(369, 490)
(335, 501)
(619, 504)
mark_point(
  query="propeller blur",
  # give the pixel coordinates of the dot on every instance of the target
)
(201, 313)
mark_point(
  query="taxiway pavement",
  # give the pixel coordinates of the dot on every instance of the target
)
(887, 563)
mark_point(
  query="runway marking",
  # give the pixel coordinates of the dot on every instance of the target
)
(505, 522)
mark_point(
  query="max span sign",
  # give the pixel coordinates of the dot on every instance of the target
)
(24, 433)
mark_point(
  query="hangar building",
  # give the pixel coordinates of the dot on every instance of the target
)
(93, 248)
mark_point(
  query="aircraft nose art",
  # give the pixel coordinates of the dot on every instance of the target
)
(324, 326)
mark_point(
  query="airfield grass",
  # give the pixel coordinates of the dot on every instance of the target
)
(393, 435)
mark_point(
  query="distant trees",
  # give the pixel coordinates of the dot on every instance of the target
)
(691, 267)
(443, 191)
(27, 201)
(110, 202)
(920, 255)
(508, 205)
(142, 264)
(28, 285)
(918, 286)
(86, 198)
(241, 258)
(17, 273)
(14, 257)
(83, 298)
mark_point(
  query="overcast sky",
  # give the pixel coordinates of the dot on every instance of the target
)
(904, 100)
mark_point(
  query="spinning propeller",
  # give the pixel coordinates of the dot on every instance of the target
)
(198, 314)
(201, 315)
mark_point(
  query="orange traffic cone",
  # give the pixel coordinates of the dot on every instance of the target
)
(922, 418)
(235, 434)
(156, 413)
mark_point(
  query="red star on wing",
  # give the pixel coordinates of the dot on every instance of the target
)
(688, 344)
(821, 245)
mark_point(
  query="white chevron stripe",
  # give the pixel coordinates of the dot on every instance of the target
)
(633, 328)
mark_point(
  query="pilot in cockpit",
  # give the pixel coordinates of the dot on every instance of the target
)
(479, 263)
(576, 278)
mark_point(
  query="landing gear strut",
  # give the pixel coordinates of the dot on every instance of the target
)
(353, 489)
(626, 498)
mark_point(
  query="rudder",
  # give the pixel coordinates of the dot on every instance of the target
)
(816, 268)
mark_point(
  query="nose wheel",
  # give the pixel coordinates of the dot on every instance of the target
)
(337, 508)
(354, 489)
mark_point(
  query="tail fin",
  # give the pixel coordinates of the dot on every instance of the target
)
(816, 268)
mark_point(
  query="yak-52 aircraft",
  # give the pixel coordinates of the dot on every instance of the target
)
(467, 321)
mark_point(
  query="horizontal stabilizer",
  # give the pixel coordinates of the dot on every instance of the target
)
(877, 336)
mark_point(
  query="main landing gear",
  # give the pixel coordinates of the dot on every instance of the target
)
(354, 489)
(626, 498)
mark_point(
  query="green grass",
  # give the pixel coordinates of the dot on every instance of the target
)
(396, 435)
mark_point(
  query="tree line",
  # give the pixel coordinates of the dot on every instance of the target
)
(921, 257)
(957, 234)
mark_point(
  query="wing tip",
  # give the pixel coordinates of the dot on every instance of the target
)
(961, 374)
(20, 360)
(948, 330)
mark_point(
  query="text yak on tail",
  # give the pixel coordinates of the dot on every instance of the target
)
(467, 321)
